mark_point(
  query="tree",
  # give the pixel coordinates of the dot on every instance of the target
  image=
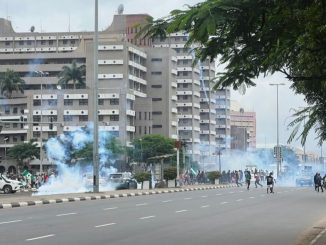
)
(151, 146)
(24, 151)
(259, 37)
(10, 81)
(73, 73)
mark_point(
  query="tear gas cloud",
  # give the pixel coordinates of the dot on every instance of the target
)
(77, 177)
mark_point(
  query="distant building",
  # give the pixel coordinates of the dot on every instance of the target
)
(247, 120)
(240, 138)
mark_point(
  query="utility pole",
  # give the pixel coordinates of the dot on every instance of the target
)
(96, 180)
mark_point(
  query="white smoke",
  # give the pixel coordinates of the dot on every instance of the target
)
(78, 177)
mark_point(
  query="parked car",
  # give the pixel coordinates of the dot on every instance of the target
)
(9, 185)
(122, 181)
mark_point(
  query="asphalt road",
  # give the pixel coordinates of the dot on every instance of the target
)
(224, 216)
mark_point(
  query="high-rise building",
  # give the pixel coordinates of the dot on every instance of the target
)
(246, 120)
(144, 88)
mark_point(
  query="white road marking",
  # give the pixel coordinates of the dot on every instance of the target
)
(188, 198)
(40, 237)
(203, 196)
(218, 194)
(58, 215)
(110, 208)
(148, 217)
(12, 221)
(181, 211)
(240, 191)
(167, 201)
(231, 192)
(141, 204)
(251, 197)
(98, 226)
(205, 206)
(223, 203)
(239, 200)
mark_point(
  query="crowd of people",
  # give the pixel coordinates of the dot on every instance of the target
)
(30, 180)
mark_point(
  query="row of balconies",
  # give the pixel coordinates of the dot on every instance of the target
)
(188, 116)
(188, 128)
(32, 50)
(31, 38)
(189, 104)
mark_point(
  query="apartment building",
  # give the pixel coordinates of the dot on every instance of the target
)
(39, 57)
(199, 108)
(144, 88)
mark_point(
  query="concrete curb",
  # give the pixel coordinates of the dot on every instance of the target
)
(107, 196)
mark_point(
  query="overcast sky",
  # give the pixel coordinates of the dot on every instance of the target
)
(77, 15)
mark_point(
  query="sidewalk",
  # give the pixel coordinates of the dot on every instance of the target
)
(22, 201)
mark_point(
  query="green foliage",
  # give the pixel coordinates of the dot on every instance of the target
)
(260, 37)
(142, 176)
(24, 151)
(73, 73)
(213, 175)
(170, 173)
(11, 81)
(151, 146)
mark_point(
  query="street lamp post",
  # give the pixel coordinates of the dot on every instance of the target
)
(5, 140)
(96, 181)
(278, 156)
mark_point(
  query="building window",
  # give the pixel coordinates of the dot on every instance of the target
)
(156, 99)
(64, 41)
(72, 41)
(7, 110)
(14, 139)
(43, 42)
(83, 118)
(100, 118)
(185, 85)
(157, 59)
(157, 126)
(50, 42)
(145, 130)
(15, 125)
(14, 110)
(149, 129)
(114, 117)
(184, 73)
(22, 138)
(29, 42)
(101, 102)
(7, 43)
(52, 134)
(36, 102)
(139, 117)
(36, 134)
(139, 130)
(67, 118)
(156, 73)
(83, 102)
(36, 118)
(157, 113)
(21, 43)
(149, 115)
(114, 101)
(68, 102)
(185, 97)
(52, 102)
(156, 86)
(185, 62)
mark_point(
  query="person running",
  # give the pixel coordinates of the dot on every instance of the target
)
(248, 178)
(237, 177)
(315, 180)
(257, 180)
(270, 183)
(319, 183)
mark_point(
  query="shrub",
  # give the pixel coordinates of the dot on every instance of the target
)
(170, 173)
(142, 176)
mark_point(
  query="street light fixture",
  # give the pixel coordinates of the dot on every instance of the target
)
(278, 157)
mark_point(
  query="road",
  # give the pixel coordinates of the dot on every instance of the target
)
(224, 216)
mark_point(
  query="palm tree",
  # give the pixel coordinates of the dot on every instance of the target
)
(10, 81)
(73, 73)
